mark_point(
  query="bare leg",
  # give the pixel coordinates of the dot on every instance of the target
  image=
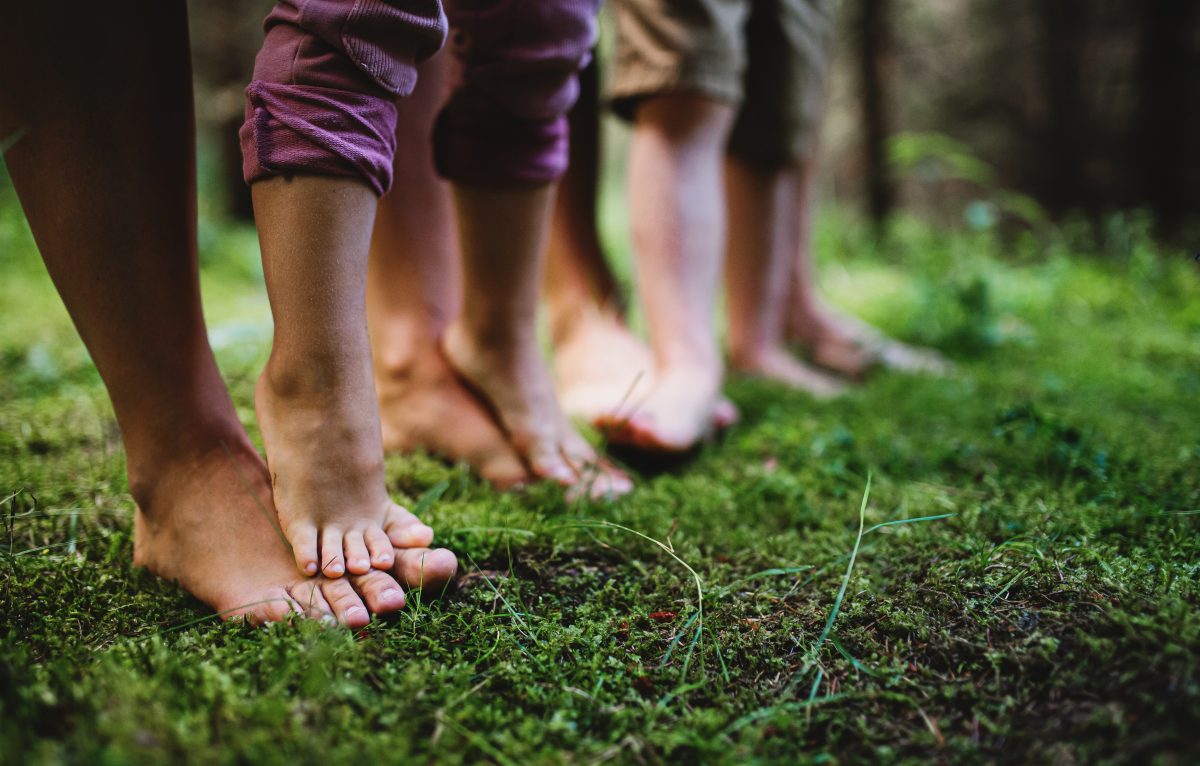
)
(829, 338)
(494, 342)
(315, 399)
(768, 214)
(675, 193)
(413, 294)
(107, 181)
(598, 362)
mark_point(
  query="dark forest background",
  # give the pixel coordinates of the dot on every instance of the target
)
(1071, 107)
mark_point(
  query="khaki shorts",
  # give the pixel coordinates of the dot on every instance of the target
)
(767, 56)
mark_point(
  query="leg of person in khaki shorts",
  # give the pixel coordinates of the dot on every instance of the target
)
(698, 48)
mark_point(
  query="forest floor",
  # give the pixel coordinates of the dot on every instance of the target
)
(1043, 605)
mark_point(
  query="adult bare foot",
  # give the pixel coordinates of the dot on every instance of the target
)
(424, 405)
(323, 447)
(680, 410)
(780, 366)
(600, 367)
(605, 373)
(848, 346)
(514, 381)
(207, 522)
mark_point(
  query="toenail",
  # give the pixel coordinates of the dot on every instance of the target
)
(390, 593)
(355, 611)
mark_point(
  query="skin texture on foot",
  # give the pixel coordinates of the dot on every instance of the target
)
(206, 525)
(516, 383)
(315, 400)
(780, 366)
(850, 347)
(425, 406)
(605, 373)
(327, 476)
(680, 411)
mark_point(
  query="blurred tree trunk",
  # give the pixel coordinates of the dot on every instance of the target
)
(873, 47)
(1167, 78)
(225, 36)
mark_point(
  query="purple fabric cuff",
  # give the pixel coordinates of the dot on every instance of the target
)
(506, 121)
(475, 145)
(317, 131)
(322, 101)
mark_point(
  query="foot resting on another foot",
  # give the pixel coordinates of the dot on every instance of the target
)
(322, 438)
(207, 522)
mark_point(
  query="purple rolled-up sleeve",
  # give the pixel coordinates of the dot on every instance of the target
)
(322, 101)
(505, 122)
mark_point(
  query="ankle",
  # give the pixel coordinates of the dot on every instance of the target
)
(152, 465)
(288, 376)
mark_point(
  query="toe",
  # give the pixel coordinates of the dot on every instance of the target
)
(425, 569)
(504, 470)
(308, 596)
(550, 464)
(332, 563)
(610, 482)
(380, 548)
(405, 530)
(358, 561)
(273, 607)
(725, 414)
(380, 591)
(303, 538)
(347, 606)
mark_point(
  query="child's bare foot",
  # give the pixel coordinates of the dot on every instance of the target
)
(780, 366)
(513, 379)
(207, 522)
(423, 405)
(320, 426)
(850, 347)
(682, 409)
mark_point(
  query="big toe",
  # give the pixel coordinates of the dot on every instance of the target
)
(274, 606)
(428, 570)
(381, 592)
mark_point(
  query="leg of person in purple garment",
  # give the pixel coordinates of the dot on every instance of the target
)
(502, 143)
(106, 177)
(319, 140)
(413, 295)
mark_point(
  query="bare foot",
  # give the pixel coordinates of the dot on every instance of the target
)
(423, 405)
(601, 367)
(325, 455)
(513, 379)
(848, 346)
(605, 373)
(780, 366)
(679, 411)
(207, 523)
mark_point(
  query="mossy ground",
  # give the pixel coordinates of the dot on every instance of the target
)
(1052, 618)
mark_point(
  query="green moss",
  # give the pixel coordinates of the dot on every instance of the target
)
(1053, 617)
